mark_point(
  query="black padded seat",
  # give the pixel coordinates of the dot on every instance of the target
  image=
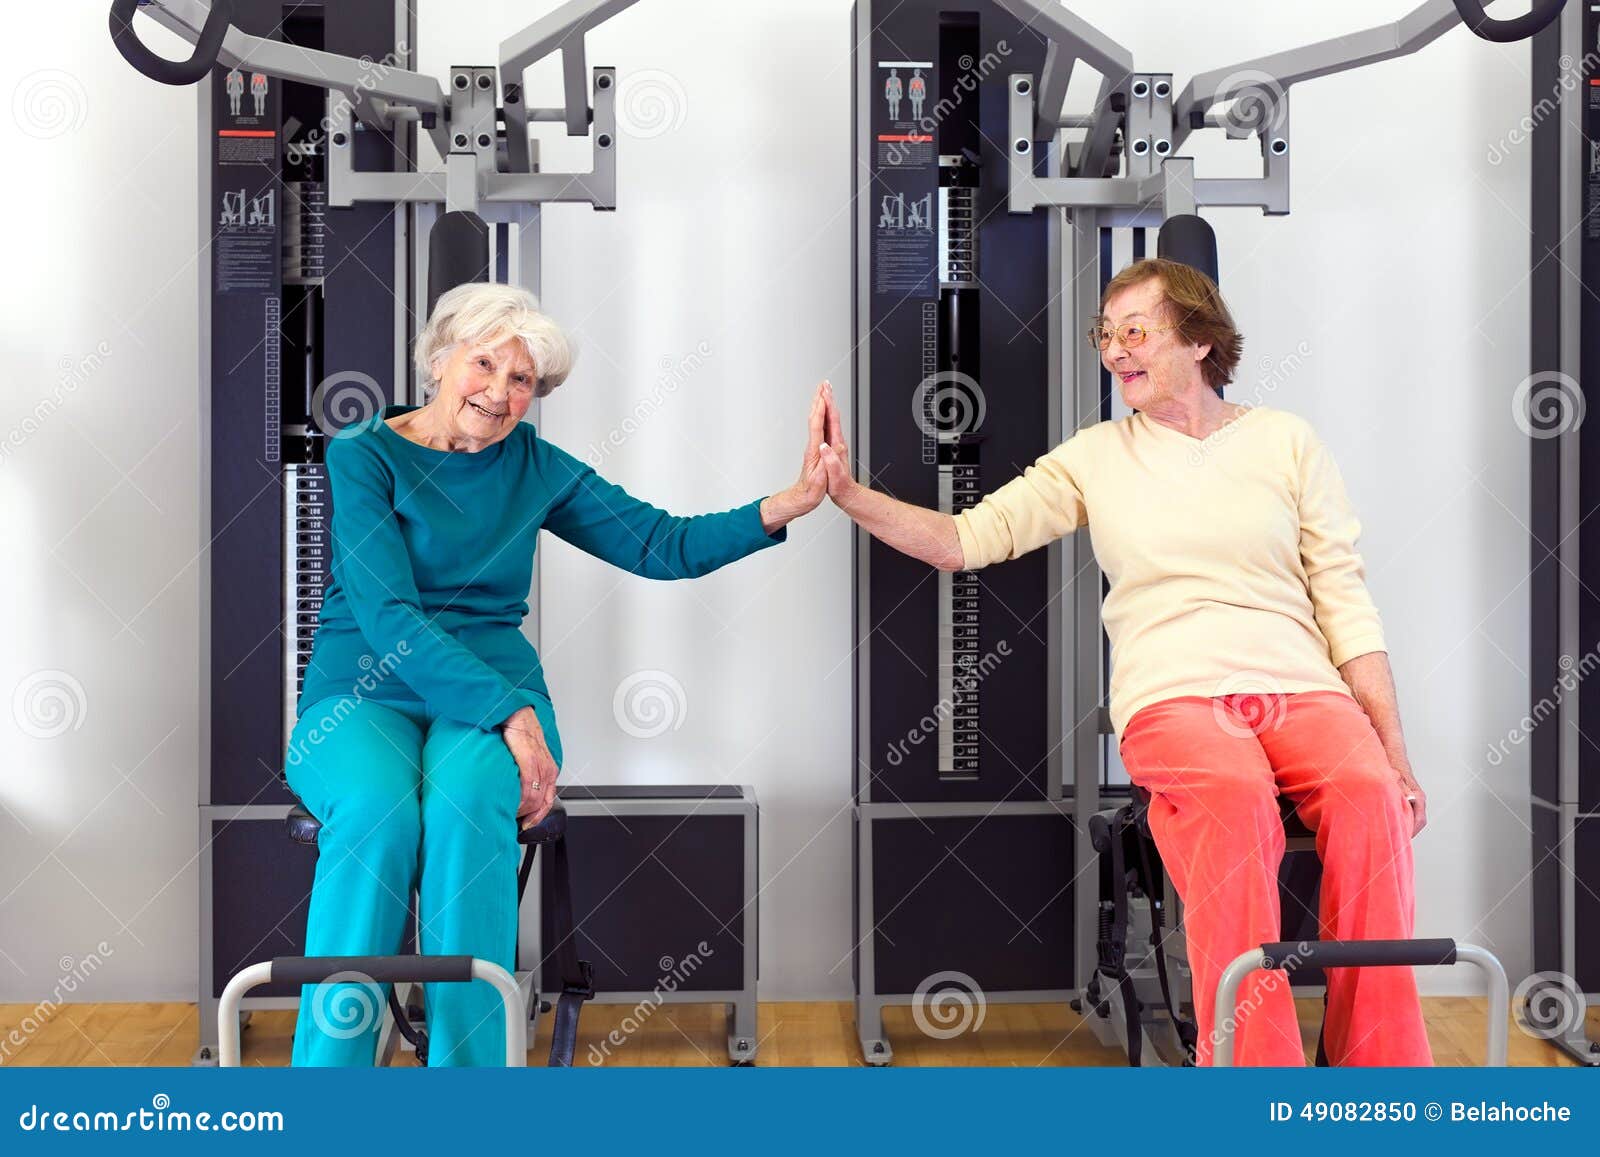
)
(1293, 828)
(303, 827)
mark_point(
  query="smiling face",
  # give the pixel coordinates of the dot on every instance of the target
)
(1163, 366)
(484, 389)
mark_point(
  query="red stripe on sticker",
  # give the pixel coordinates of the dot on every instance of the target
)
(907, 137)
(246, 133)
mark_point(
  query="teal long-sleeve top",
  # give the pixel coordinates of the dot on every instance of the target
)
(432, 562)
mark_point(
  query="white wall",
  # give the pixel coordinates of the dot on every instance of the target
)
(1402, 270)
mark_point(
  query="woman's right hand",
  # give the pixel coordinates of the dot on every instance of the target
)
(834, 453)
(929, 535)
(536, 767)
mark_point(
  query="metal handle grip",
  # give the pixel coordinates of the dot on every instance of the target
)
(384, 969)
(1290, 955)
(1354, 954)
(206, 45)
(1507, 31)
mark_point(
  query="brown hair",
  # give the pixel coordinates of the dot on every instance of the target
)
(1197, 309)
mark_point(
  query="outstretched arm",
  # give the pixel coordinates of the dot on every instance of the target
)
(603, 519)
(1037, 507)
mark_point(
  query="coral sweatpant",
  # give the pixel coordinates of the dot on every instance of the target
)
(1214, 768)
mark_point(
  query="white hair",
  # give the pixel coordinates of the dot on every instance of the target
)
(485, 313)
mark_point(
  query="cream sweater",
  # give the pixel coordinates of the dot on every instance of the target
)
(1232, 559)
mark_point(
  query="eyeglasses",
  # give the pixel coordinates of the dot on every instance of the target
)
(1130, 334)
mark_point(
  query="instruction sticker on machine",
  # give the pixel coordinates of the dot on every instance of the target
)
(246, 226)
(245, 207)
(905, 133)
(903, 248)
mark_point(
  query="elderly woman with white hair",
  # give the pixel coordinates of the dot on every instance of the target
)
(426, 731)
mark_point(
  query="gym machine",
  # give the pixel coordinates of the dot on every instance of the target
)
(326, 245)
(1564, 562)
(988, 222)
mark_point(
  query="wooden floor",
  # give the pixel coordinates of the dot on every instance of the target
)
(797, 1034)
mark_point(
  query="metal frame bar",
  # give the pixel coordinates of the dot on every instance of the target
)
(1036, 112)
(387, 98)
(1419, 28)
(1074, 39)
(1058, 420)
(1146, 197)
(1084, 644)
(488, 186)
(562, 30)
(372, 94)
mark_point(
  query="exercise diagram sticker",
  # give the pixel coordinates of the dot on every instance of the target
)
(904, 252)
(246, 239)
(904, 141)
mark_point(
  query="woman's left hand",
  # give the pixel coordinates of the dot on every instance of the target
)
(536, 767)
(1419, 804)
(811, 487)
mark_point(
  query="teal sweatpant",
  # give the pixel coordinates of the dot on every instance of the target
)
(407, 802)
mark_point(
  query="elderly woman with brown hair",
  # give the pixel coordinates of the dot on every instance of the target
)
(1248, 659)
(426, 730)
